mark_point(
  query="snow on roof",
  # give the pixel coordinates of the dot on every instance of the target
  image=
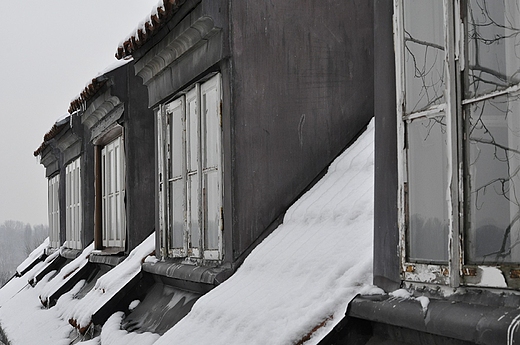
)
(161, 13)
(65, 274)
(94, 85)
(17, 284)
(54, 131)
(23, 320)
(34, 255)
(110, 283)
(305, 273)
(294, 287)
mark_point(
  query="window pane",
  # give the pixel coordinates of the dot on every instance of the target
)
(177, 209)
(427, 188)
(193, 190)
(212, 212)
(494, 181)
(493, 45)
(112, 174)
(424, 54)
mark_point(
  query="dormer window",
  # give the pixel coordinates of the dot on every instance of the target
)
(113, 193)
(190, 173)
(53, 204)
(73, 204)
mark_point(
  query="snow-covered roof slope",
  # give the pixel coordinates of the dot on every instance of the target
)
(24, 321)
(16, 284)
(34, 255)
(293, 288)
(297, 283)
(110, 283)
(65, 274)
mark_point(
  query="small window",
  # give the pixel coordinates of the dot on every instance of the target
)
(189, 157)
(73, 204)
(54, 211)
(113, 194)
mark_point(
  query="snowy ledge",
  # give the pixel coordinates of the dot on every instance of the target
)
(193, 278)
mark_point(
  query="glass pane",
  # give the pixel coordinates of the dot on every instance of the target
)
(210, 111)
(177, 139)
(494, 181)
(427, 188)
(212, 214)
(493, 45)
(424, 54)
(177, 209)
(193, 190)
(192, 132)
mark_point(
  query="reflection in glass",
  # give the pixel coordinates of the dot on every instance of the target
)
(493, 28)
(424, 54)
(494, 181)
(427, 188)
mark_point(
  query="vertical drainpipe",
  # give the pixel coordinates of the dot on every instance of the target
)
(98, 235)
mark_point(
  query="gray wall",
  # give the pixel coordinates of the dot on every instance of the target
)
(297, 84)
(386, 234)
(139, 140)
(302, 89)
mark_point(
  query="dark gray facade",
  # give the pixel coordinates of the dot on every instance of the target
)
(66, 145)
(121, 102)
(115, 99)
(297, 88)
(386, 234)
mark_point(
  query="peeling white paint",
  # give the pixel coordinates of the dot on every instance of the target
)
(492, 276)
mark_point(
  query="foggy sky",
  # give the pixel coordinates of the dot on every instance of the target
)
(50, 50)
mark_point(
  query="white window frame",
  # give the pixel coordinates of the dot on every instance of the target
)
(189, 159)
(455, 273)
(73, 205)
(53, 203)
(113, 194)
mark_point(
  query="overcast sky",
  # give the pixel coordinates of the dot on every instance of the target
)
(50, 49)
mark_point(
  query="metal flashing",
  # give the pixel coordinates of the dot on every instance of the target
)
(456, 319)
(203, 277)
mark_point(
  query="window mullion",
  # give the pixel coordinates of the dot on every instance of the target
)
(452, 140)
(201, 192)
(162, 178)
(401, 153)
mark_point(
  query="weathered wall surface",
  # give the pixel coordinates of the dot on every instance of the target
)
(386, 234)
(302, 89)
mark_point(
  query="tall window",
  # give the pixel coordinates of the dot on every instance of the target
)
(459, 127)
(54, 211)
(113, 193)
(73, 204)
(190, 173)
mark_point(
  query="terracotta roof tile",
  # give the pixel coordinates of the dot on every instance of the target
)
(89, 91)
(54, 131)
(147, 29)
